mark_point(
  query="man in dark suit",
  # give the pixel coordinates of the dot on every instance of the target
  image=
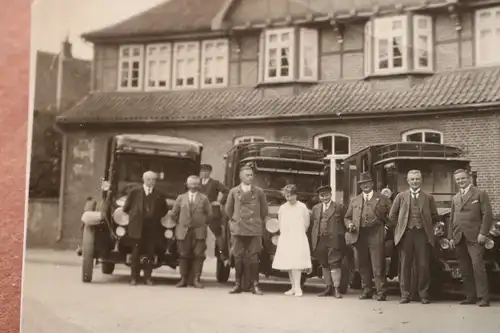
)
(191, 214)
(247, 210)
(146, 206)
(217, 195)
(471, 220)
(365, 221)
(414, 214)
(328, 239)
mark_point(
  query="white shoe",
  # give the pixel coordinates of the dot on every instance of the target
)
(290, 292)
(298, 293)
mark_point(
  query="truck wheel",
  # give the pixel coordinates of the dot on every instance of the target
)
(356, 280)
(345, 278)
(87, 254)
(303, 279)
(222, 271)
(107, 268)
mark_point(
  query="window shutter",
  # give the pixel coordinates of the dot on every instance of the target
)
(308, 54)
(422, 42)
(262, 56)
(368, 48)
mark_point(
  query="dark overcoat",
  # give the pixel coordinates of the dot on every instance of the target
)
(336, 228)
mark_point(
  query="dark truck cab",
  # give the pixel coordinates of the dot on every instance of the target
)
(275, 165)
(105, 239)
(389, 164)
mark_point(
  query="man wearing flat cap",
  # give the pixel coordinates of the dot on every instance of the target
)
(328, 239)
(365, 221)
(216, 193)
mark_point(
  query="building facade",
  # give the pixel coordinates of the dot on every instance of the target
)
(330, 74)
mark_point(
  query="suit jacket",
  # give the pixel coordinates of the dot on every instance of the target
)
(336, 228)
(353, 214)
(470, 215)
(134, 207)
(212, 189)
(194, 216)
(246, 218)
(400, 213)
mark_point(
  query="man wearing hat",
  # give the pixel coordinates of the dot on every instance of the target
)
(365, 221)
(247, 210)
(146, 206)
(414, 213)
(216, 193)
(328, 239)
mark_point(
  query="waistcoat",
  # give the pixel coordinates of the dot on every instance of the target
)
(368, 212)
(414, 215)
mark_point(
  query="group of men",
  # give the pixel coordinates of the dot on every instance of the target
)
(363, 226)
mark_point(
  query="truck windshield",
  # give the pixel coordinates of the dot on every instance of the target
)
(278, 180)
(172, 172)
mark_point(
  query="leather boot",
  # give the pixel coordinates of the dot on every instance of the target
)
(197, 269)
(254, 284)
(336, 277)
(184, 270)
(238, 275)
(328, 281)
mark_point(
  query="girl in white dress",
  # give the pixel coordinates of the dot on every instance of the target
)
(293, 253)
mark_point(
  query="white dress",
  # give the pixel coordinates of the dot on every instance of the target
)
(293, 246)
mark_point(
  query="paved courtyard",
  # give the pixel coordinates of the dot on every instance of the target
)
(55, 300)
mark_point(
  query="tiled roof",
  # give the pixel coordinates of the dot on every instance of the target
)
(447, 89)
(174, 16)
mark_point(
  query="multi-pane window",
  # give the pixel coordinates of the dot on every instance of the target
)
(488, 36)
(186, 65)
(429, 136)
(158, 66)
(388, 50)
(337, 147)
(309, 54)
(279, 54)
(422, 42)
(130, 67)
(215, 55)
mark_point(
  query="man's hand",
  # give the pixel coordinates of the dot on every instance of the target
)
(351, 227)
(215, 203)
(452, 244)
(481, 239)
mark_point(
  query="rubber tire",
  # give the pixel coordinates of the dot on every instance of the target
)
(87, 254)
(303, 280)
(222, 271)
(356, 281)
(107, 268)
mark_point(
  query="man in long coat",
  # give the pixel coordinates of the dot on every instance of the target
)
(216, 193)
(146, 206)
(328, 239)
(414, 214)
(247, 210)
(365, 221)
(191, 214)
(471, 220)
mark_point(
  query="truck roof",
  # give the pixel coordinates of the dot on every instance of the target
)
(152, 141)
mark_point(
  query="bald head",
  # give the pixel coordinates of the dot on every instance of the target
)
(149, 178)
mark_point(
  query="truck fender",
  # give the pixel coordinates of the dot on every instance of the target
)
(90, 216)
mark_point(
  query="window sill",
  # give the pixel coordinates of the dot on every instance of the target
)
(418, 73)
(130, 89)
(286, 82)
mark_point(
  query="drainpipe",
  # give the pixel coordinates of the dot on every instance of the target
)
(62, 184)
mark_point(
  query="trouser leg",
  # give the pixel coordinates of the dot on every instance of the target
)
(148, 247)
(253, 250)
(466, 268)
(377, 257)
(135, 262)
(406, 254)
(237, 250)
(476, 252)
(200, 247)
(422, 254)
(183, 248)
(364, 261)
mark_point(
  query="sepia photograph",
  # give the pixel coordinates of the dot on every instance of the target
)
(263, 166)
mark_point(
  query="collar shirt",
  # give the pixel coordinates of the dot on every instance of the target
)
(147, 190)
(368, 196)
(465, 190)
(415, 193)
(246, 188)
(192, 197)
(205, 181)
(326, 206)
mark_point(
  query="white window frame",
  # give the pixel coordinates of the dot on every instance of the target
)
(279, 45)
(195, 71)
(157, 58)
(130, 60)
(333, 158)
(423, 131)
(426, 32)
(368, 54)
(383, 30)
(219, 69)
(493, 25)
(251, 138)
(309, 52)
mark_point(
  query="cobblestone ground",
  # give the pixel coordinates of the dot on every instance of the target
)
(56, 301)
